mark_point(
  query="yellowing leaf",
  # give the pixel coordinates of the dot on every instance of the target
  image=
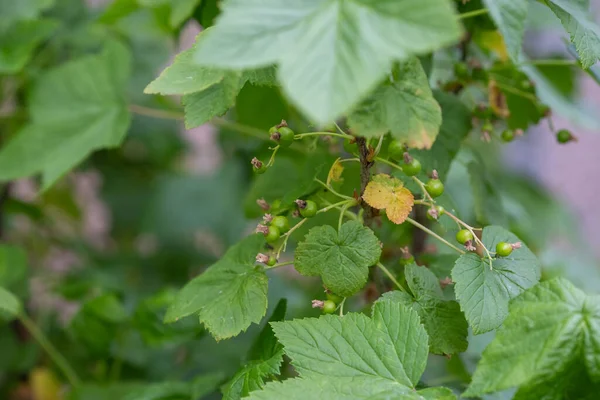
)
(44, 385)
(493, 41)
(387, 192)
(335, 172)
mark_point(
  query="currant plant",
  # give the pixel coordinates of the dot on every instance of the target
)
(360, 140)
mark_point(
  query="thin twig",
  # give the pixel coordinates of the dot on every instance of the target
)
(435, 235)
(389, 275)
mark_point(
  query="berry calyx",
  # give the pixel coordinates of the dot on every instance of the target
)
(463, 236)
(411, 166)
(258, 166)
(434, 187)
(329, 307)
(564, 136)
(272, 234)
(396, 150)
(334, 297)
(508, 135)
(308, 208)
(271, 261)
(504, 249)
(281, 222)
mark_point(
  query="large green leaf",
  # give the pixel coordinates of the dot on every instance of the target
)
(179, 10)
(585, 33)
(484, 292)
(230, 295)
(18, 10)
(404, 105)
(444, 322)
(342, 259)
(265, 358)
(330, 53)
(10, 305)
(18, 41)
(510, 17)
(549, 345)
(75, 109)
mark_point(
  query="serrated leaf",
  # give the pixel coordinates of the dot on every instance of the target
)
(10, 305)
(444, 322)
(510, 17)
(585, 33)
(387, 193)
(18, 41)
(484, 293)
(75, 109)
(550, 340)
(230, 295)
(391, 346)
(265, 358)
(437, 393)
(330, 53)
(404, 106)
(342, 259)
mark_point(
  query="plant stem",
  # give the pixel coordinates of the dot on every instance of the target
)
(333, 190)
(302, 135)
(281, 264)
(342, 307)
(365, 177)
(389, 275)
(342, 212)
(53, 353)
(473, 13)
(335, 205)
(287, 236)
(435, 235)
(272, 159)
(156, 113)
(240, 128)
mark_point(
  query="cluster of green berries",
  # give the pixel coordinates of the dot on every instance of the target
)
(503, 249)
(278, 225)
(412, 167)
(330, 305)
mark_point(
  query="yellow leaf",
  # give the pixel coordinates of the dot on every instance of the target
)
(44, 385)
(335, 172)
(387, 192)
(493, 41)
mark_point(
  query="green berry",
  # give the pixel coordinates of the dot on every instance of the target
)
(440, 211)
(508, 135)
(261, 170)
(273, 129)
(272, 261)
(406, 261)
(396, 150)
(281, 222)
(329, 307)
(526, 84)
(487, 127)
(564, 136)
(503, 249)
(434, 187)
(412, 168)
(463, 236)
(461, 70)
(310, 210)
(334, 297)
(273, 235)
(286, 136)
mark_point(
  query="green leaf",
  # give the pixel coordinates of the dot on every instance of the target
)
(180, 10)
(266, 356)
(11, 10)
(577, 21)
(444, 322)
(550, 341)
(330, 53)
(75, 109)
(201, 107)
(10, 305)
(437, 393)
(405, 106)
(487, 203)
(484, 293)
(510, 17)
(13, 269)
(456, 125)
(18, 41)
(338, 389)
(161, 391)
(342, 259)
(230, 295)
(391, 346)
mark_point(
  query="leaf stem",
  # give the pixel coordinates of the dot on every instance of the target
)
(58, 359)
(287, 236)
(389, 275)
(335, 205)
(342, 307)
(342, 212)
(302, 135)
(557, 62)
(435, 235)
(281, 264)
(333, 190)
(473, 13)
(272, 159)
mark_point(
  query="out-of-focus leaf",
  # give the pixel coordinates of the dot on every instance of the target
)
(19, 40)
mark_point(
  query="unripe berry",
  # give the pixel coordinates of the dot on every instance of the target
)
(309, 210)
(503, 249)
(273, 234)
(508, 135)
(396, 150)
(281, 222)
(272, 261)
(412, 168)
(463, 236)
(329, 307)
(564, 136)
(434, 187)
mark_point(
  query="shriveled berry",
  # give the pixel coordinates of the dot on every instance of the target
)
(434, 187)
(281, 222)
(329, 307)
(412, 168)
(564, 136)
(508, 135)
(273, 234)
(503, 249)
(463, 236)
(396, 150)
(310, 209)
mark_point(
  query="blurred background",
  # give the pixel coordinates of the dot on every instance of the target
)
(101, 254)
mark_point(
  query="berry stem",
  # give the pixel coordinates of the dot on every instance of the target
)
(342, 307)
(473, 13)
(281, 264)
(302, 135)
(333, 190)
(342, 212)
(389, 275)
(475, 237)
(337, 205)
(272, 159)
(287, 235)
(435, 235)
